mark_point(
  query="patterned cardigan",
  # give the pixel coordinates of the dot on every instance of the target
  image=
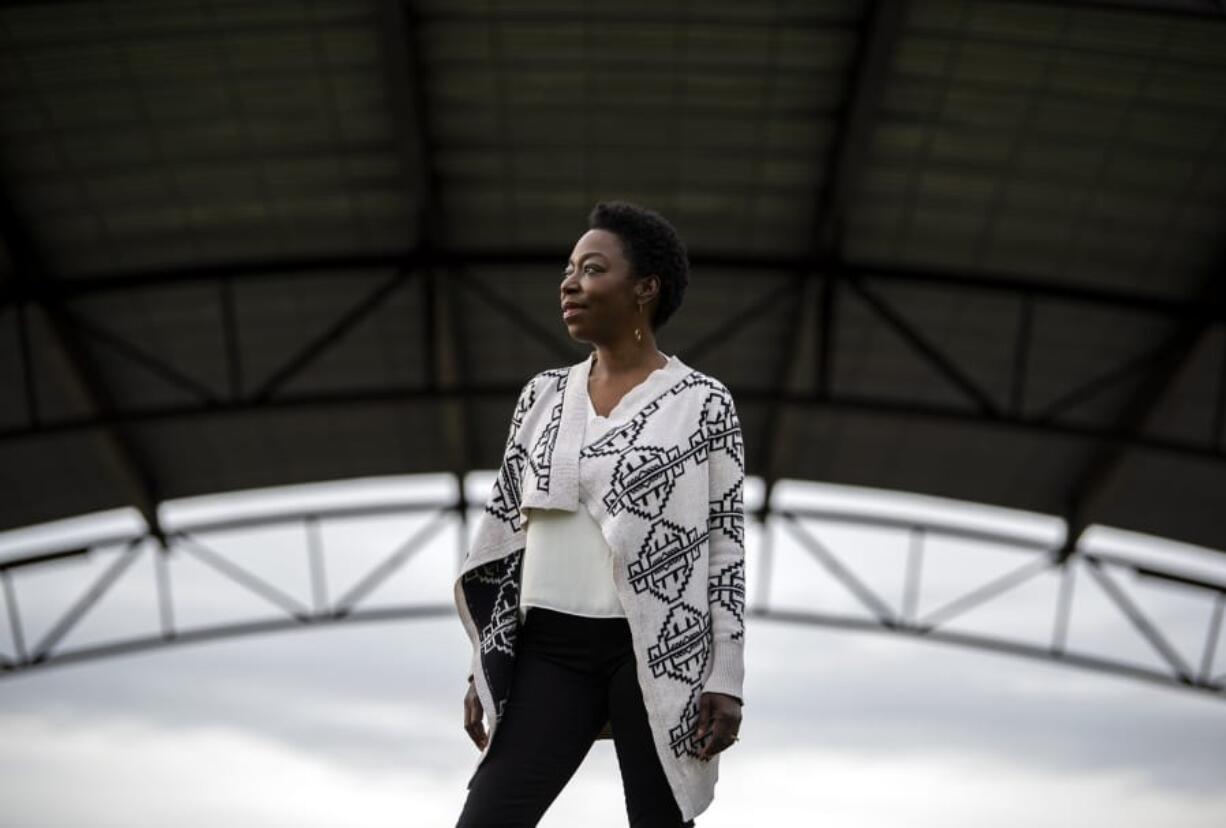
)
(664, 482)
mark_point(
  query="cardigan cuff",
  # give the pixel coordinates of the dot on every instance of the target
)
(727, 668)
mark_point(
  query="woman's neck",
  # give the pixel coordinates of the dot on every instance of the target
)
(624, 364)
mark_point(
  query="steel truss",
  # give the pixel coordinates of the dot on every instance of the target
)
(898, 618)
(819, 278)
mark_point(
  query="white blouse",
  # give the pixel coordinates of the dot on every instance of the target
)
(568, 565)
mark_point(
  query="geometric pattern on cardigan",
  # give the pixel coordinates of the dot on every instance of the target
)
(542, 452)
(492, 594)
(665, 564)
(681, 649)
(681, 735)
(505, 497)
(726, 514)
(727, 586)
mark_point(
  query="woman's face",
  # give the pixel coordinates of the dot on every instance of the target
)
(597, 279)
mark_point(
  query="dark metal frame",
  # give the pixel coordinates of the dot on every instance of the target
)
(823, 272)
(884, 616)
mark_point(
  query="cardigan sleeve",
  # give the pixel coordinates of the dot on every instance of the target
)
(527, 395)
(726, 542)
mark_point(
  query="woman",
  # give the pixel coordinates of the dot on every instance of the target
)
(604, 587)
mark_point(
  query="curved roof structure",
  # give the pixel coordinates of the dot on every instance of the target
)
(971, 249)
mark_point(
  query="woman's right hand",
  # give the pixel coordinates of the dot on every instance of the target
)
(473, 721)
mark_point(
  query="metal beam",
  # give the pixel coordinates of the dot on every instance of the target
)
(396, 395)
(1192, 9)
(1091, 488)
(987, 281)
(878, 614)
(406, 72)
(80, 376)
(844, 165)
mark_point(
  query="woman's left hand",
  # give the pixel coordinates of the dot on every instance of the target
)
(719, 717)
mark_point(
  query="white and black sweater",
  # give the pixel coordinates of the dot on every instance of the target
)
(665, 484)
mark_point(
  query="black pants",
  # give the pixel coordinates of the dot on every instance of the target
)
(572, 673)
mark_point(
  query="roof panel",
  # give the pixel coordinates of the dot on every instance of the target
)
(1189, 489)
(14, 403)
(1069, 155)
(225, 452)
(237, 128)
(72, 466)
(1025, 138)
(158, 346)
(954, 458)
(1190, 411)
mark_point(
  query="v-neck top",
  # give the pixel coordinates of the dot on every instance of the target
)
(628, 397)
(568, 565)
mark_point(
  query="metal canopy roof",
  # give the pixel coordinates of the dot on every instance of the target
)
(970, 249)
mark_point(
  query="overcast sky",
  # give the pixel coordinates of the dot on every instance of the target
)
(359, 724)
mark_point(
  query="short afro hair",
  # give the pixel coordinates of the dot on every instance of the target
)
(652, 245)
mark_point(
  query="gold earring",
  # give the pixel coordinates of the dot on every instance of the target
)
(638, 335)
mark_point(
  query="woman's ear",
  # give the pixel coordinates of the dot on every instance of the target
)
(646, 292)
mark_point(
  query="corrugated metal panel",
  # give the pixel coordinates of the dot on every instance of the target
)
(974, 248)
